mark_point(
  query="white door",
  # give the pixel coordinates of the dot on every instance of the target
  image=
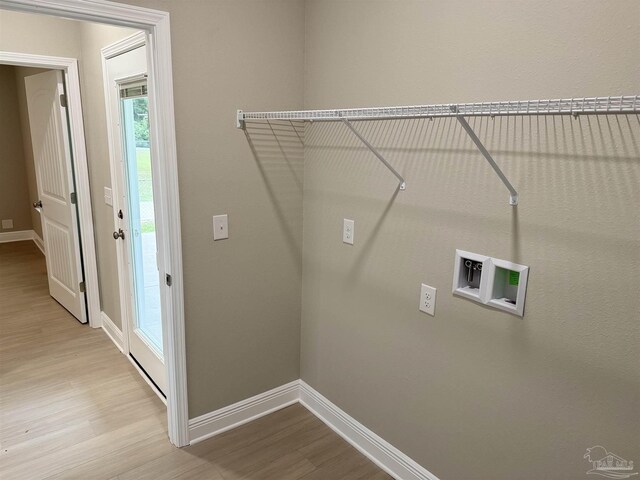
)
(134, 210)
(54, 177)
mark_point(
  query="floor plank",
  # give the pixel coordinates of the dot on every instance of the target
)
(73, 407)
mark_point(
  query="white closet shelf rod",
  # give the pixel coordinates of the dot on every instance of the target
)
(612, 105)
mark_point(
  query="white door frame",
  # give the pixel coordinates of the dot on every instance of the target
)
(69, 67)
(156, 24)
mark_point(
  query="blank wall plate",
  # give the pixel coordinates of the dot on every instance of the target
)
(348, 230)
(7, 223)
(108, 196)
(428, 300)
(220, 227)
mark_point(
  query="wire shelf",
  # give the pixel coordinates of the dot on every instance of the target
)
(621, 105)
(627, 104)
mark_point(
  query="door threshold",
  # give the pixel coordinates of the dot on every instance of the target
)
(146, 378)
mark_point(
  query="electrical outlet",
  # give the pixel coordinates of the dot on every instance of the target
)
(348, 230)
(428, 300)
(7, 224)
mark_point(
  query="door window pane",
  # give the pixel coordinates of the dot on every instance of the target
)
(147, 318)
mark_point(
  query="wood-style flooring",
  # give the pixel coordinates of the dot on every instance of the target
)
(73, 407)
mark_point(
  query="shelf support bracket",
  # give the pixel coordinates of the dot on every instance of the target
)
(240, 120)
(403, 184)
(513, 194)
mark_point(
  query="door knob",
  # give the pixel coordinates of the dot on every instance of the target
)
(118, 234)
(37, 204)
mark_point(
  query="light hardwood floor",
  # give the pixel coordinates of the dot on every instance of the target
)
(72, 407)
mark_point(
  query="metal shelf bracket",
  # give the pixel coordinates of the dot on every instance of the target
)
(513, 194)
(403, 184)
(612, 105)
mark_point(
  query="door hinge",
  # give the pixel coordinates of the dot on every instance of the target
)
(168, 280)
(74, 198)
(82, 287)
(63, 100)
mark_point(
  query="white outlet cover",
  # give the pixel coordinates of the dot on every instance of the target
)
(6, 224)
(348, 231)
(220, 227)
(428, 300)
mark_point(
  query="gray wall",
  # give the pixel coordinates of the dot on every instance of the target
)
(242, 295)
(14, 198)
(44, 35)
(474, 392)
(93, 38)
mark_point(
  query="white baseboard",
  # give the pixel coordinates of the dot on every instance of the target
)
(17, 236)
(38, 241)
(113, 332)
(227, 418)
(379, 451)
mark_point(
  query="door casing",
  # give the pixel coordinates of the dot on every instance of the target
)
(156, 24)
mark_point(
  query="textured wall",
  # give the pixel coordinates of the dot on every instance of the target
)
(242, 295)
(93, 38)
(43, 35)
(475, 393)
(14, 197)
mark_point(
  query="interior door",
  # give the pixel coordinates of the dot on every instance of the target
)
(54, 177)
(135, 211)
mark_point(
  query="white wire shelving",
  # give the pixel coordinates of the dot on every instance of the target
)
(615, 105)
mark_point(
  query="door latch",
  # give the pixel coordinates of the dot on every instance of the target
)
(118, 234)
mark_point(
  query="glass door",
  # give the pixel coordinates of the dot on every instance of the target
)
(138, 219)
(135, 115)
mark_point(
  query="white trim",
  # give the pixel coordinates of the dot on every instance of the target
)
(16, 236)
(228, 418)
(69, 66)
(379, 451)
(375, 448)
(22, 236)
(39, 242)
(133, 41)
(113, 332)
(156, 23)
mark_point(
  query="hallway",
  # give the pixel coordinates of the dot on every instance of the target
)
(72, 407)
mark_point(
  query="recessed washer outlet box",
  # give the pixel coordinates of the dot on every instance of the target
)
(508, 282)
(470, 276)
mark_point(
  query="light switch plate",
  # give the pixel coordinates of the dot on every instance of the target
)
(428, 300)
(108, 196)
(6, 224)
(220, 227)
(348, 230)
